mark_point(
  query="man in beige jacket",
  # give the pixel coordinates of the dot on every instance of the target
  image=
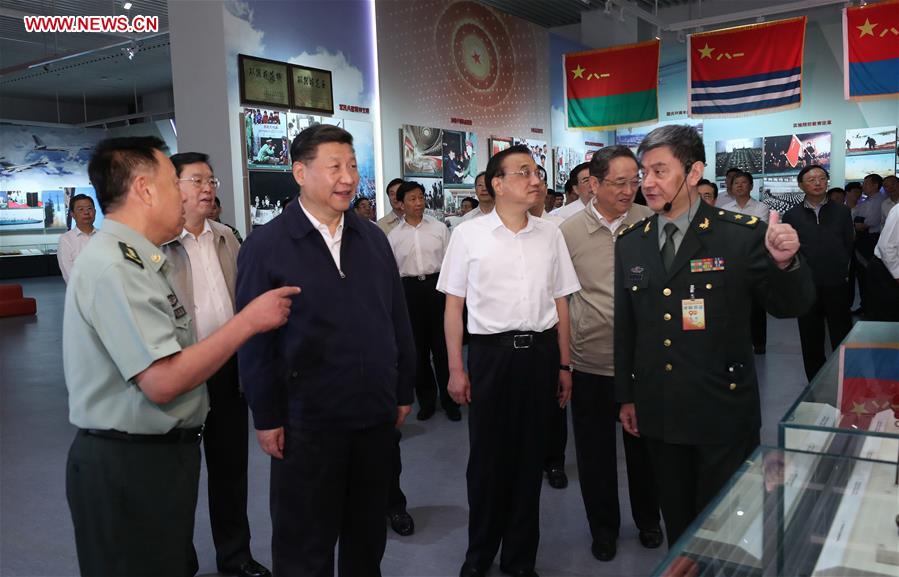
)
(590, 236)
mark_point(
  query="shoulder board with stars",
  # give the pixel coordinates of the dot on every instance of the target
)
(736, 217)
(634, 226)
(130, 254)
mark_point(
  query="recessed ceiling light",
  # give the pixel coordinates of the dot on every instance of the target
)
(127, 5)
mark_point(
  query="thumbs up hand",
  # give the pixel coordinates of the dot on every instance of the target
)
(781, 240)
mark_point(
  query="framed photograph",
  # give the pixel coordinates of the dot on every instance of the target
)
(266, 143)
(422, 151)
(263, 82)
(743, 153)
(311, 89)
(460, 159)
(495, 145)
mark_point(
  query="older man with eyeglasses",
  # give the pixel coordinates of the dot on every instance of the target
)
(826, 238)
(203, 273)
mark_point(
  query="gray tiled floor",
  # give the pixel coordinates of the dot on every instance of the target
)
(36, 534)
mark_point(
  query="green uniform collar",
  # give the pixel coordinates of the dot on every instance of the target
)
(147, 254)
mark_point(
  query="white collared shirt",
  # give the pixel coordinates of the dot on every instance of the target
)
(612, 226)
(510, 280)
(569, 209)
(551, 218)
(887, 248)
(752, 208)
(419, 249)
(475, 213)
(212, 303)
(332, 242)
(885, 207)
(70, 245)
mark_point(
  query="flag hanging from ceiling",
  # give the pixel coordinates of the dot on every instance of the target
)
(612, 87)
(869, 383)
(746, 70)
(871, 51)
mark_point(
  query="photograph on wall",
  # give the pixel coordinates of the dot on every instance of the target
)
(498, 144)
(460, 160)
(435, 203)
(539, 151)
(269, 193)
(422, 151)
(780, 193)
(20, 210)
(860, 166)
(743, 153)
(566, 158)
(452, 200)
(790, 153)
(632, 137)
(38, 151)
(876, 140)
(266, 139)
(297, 122)
(55, 204)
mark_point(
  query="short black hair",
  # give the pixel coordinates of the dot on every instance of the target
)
(732, 169)
(495, 165)
(359, 200)
(393, 182)
(114, 163)
(305, 145)
(854, 185)
(408, 186)
(557, 194)
(602, 158)
(182, 159)
(218, 203)
(474, 202)
(876, 178)
(806, 170)
(744, 174)
(683, 140)
(577, 170)
(78, 197)
(709, 183)
(480, 174)
(569, 186)
(835, 190)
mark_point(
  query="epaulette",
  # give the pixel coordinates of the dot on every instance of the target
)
(634, 226)
(130, 254)
(736, 217)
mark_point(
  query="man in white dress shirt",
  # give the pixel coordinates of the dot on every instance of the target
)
(203, 273)
(485, 201)
(393, 218)
(419, 244)
(580, 175)
(740, 200)
(891, 188)
(514, 272)
(883, 272)
(83, 212)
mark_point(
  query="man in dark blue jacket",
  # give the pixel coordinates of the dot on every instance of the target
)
(328, 388)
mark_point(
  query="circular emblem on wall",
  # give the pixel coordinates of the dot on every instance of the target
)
(475, 53)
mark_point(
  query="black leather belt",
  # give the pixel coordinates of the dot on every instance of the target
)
(422, 277)
(516, 339)
(174, 436)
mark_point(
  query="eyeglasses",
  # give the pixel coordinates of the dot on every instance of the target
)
(198, 182)
(525, 172)
(816, 180)
(622, 184)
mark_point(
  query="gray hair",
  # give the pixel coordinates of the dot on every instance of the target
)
(683, 140)
(602, 158)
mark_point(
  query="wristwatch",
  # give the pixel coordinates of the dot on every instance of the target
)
(565, 368)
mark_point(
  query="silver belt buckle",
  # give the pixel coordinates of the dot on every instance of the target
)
(421, 277)
(522, 341)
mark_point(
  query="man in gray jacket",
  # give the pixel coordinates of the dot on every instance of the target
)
(203, 271)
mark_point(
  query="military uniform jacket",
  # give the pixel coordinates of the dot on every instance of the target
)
(697, 386)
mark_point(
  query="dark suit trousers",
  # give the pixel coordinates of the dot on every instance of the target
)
(225, 443)
(396, 500)
(557, 440)
(830, 307)
(512, 398)
(426, 304)
(689, 477)
(884, 295)
(133, 506)
(758, 319)
(331, 487)
(594, 415)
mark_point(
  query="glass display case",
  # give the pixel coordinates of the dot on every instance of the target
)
(851, 407)
(793, 513)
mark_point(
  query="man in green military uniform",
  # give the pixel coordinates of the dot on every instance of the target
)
(135, 376)
(684, 368)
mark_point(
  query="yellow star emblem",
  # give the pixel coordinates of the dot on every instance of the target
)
(579, 71)
(705, 224)
(706, 51)
(738, 217)
(866, 28)
(859, 409)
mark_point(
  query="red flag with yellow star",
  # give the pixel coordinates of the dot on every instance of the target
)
(871, 51)
(747, 69)
(869, 382)
(612, 87)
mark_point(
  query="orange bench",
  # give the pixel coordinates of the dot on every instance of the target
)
(13, 304)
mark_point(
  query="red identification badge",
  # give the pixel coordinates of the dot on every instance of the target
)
(693, 314)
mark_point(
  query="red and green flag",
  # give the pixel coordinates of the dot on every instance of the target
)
(871, 51)
(612, 87)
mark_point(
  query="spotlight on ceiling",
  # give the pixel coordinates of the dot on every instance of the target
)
(127, 5)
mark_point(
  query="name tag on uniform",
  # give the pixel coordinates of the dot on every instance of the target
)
(693, 314)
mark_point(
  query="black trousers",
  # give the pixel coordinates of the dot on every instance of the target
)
(557, 439)
(689, 477)
(758, 324)
(396, 499)
(864, 246)
(512, 400)
(594, 416)
(831, 307)
(225, 444)
(426, 304)
(331, 487)
(133, 506)
(884, 297)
